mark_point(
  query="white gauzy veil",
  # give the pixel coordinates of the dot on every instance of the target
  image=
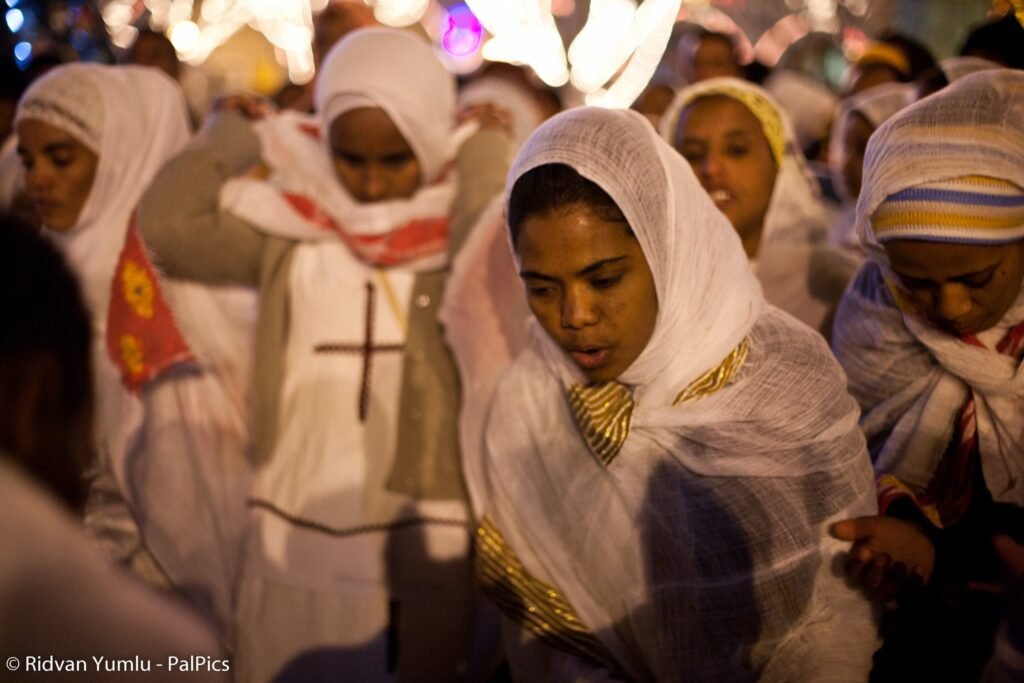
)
(145, 122)
(708, 299)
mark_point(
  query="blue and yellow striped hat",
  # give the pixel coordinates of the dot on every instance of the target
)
(967, 210)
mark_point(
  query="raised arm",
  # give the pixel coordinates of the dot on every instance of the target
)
(482, 163)
(180, 219)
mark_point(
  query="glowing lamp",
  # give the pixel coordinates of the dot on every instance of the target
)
(462, 33)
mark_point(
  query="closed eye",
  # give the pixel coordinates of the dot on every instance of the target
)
(350, 159)
(606, 281)
(976, 280)
(397, 159)
(914, 283)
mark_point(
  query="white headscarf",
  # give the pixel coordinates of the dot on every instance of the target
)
(910, 378)
(808, 103)
(795, 220)
(699, 552)
(135, 118)
(396, 71)
(874, 104)
(690, 337)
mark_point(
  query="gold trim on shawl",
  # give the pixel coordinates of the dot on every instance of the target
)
(716, 378)
(602, 412)
(532, 604)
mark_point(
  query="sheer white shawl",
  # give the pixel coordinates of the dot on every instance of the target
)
(701, 552)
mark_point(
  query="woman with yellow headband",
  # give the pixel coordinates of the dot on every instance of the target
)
(931, 335)
(742, 149)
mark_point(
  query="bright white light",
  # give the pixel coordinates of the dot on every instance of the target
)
(300, 66)
(12, 3)
(524, 33)
(124, 36)
(399, 12)
(618, 38)
(650, 31)
(22, 51)
(116, 14)
(821, 14)
(211, 10)
(15, 20)
(180, 10)
(184, 35)
(604, 44)
(858, 8)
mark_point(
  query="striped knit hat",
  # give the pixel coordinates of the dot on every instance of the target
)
(966, 210)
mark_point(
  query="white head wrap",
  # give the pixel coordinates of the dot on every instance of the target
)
(397, 71)
(693, 253)
(808, 103)
(66, 100)
(795, 221)
(699, 552)
(135, 119)
(874, 104)
(373, 67)
(910, 378)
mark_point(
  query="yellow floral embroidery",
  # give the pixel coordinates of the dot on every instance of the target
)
(138, 289)
(132, 354)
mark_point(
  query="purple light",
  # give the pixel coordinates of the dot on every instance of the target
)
(462, 32)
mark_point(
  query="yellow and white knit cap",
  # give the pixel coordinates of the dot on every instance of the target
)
(966, 210)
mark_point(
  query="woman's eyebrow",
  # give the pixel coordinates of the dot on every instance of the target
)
(593, 267)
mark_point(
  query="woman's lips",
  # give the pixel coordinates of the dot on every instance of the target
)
(590, 358)
(45, 206)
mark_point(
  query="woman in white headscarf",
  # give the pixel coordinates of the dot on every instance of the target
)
(168, 357)
(858, 117)
(743, 150)
(930, 335)
(360, 529)
(660, 463)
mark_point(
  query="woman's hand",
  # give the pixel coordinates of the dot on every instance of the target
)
(888, 554)
(252, 107)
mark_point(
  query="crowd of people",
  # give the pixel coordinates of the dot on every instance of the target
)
(401, 379)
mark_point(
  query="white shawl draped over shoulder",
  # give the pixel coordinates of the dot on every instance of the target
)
(700, 552)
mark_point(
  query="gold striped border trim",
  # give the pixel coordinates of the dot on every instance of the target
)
(534, 605)
(603, 413)
(717, 377)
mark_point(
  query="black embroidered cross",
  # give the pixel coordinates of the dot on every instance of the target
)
(366, 349)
